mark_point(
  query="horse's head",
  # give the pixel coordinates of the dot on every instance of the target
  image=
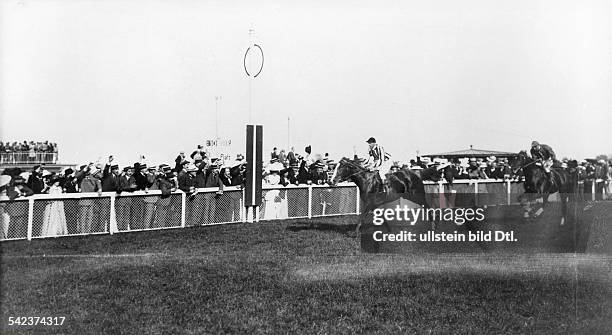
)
(448, 174)
(345, 170)
(516, 163)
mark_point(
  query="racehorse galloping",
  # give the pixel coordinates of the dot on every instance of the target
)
(538, 184)
(403, 183)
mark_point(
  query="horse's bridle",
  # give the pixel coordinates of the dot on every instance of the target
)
(524, 166)
(354, 165)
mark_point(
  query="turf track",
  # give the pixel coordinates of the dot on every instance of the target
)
(282, 277)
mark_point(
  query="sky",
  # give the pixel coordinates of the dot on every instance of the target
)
(140, 77)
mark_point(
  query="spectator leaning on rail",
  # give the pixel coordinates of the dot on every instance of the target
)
(35, 181)
(89, 183)
(492, 170)
(110, 177)
(474, 170)
(318, 176)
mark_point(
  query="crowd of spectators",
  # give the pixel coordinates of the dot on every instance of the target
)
(26, 146)
(28, 152)
(192, 172)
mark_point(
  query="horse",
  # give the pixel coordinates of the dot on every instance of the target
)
(372, 190)
(538, 184)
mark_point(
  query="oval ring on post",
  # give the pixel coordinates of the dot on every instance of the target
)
(245, 57)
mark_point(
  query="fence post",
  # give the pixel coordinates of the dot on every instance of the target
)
(476, 192)
(358, 199)
(309, 201)
(30, 217)
(112, 226)
(242, 208)
(441, 197)
(509, 189)
(183, 203)
(593, 182)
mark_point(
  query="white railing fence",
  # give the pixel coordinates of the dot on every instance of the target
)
(24, 157)
(71, 214)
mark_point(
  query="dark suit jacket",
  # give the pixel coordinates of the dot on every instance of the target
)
(35, 183)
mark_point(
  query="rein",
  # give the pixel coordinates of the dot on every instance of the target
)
(363, 170)
(524, 166)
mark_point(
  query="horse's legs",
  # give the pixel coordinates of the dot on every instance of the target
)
(362, 217)
(544, 203)
(563, 207)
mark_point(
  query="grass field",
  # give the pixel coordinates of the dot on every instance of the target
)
(280, 277)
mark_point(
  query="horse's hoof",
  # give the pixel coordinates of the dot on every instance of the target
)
(539, 212)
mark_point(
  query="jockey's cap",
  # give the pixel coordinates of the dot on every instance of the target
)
(371, 140)
(535, 143)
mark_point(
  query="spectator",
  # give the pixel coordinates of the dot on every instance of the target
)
(110, 177)
(125, 212)
(474, 170)
(86, 211)
(291, 156)
(282, 158)
(68, 182)
(199, 150)
(274, 154)
(35, 181)
(54, 217)
(140, 176)
(166, 184)
(318, 176)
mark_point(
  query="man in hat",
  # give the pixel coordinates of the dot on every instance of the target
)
(110, 177)
(292, 173)
(318, 176)
(377, 160)
(35, 181)
(544, 154)
(291, 156)
(474, 170)
(86, 209)
(125, 212)
(140, 175)
(17, 210)
(166, 184)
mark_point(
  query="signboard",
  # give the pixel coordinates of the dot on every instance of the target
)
(219, 148)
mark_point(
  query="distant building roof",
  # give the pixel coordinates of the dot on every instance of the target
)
(471, 152)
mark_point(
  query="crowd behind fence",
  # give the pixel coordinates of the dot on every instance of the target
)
(70, 214)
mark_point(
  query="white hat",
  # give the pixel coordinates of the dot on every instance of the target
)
(440, 160)
(491, 158)
(416, 167)
(4, 180)
(275, 167)
(442, 166)
(46, 173)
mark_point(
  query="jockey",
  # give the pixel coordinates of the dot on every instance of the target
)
(544, 154)
(378, 159)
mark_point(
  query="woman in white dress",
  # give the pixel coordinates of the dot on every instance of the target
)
(54, 219)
